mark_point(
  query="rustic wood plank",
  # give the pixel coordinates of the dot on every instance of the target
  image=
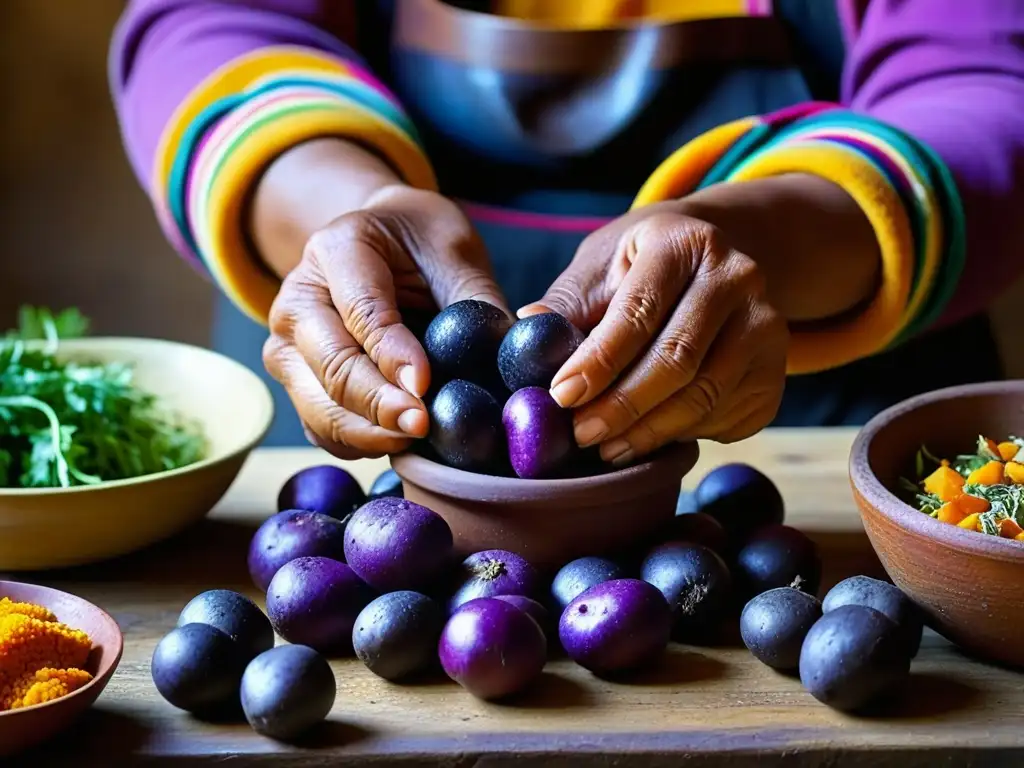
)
(703, 706)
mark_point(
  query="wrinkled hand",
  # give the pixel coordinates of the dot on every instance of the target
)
(355, 373)
(682, 342)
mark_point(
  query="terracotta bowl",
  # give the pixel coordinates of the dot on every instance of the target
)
(23, 728)
(549, 522)
(968, 583)
(55, 528)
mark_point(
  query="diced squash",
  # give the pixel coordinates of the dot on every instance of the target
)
(1007, 450)
(1015, 472)
(950, 513)
(944, 482)
(1009, 529)
(991, 445)
(970, 522)
(990, 474)
(1019, 537)
(971, 505)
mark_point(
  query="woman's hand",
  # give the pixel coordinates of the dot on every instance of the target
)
(683, 343)
(355, 373)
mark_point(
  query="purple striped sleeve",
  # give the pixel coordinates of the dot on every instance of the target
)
(162, 49)
(951, 74)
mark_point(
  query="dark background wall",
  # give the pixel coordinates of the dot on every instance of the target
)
(75, 229)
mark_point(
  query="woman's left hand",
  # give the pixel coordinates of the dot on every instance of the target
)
(682, 342)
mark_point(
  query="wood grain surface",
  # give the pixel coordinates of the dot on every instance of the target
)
(701, 706)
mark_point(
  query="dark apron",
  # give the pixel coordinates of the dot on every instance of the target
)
(506, 133)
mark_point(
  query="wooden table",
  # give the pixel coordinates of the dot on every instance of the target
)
(703, 707)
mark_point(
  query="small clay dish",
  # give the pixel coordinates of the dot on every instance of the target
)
(23, 728)
(967, 583)
(550, 522)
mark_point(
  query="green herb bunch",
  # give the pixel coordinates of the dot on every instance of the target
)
(68, 423)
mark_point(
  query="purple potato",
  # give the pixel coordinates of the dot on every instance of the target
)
(884, 597)
(388, 483)
(696, 583)
(314, 601)
(465, 428)
(616, 626)
(576, 577)
(852, 657)
(233, 614)
(287, 691)
(198, 668)
(773, 626)
(491, 573)
(326, 489)
(697, 528)
(777, 556)
(741, 498)
(394, 544)
(536, 611)
(463, 339)
(396, 635)
(291, 534)
(491, 648)
(539, 433)
(535, 348)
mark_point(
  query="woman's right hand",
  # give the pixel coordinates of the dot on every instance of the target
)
(354, 372)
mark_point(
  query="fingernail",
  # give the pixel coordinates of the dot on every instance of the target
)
(570, 391)
(408, 421)
(407, 378)
(617, 452)
(590, 431)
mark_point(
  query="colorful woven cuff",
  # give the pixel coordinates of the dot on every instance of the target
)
(903, 187)
(236, 123)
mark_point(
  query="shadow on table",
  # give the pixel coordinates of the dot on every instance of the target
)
(677, 667)
(210, 554)
(112, 737)
(551, 691)
(928, 695)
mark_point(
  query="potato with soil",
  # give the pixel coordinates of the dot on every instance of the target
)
(396, 635)
(697, 585)
(535, 348)
(777, 556)
(884, 597)
(773, 626)
(466, 430)
(198, 668)
(491, 573)
(462, 342)
(287, 691)
(853, 657)
(233, 614)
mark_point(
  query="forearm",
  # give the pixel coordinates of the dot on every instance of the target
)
(305, 189)
(811, 240)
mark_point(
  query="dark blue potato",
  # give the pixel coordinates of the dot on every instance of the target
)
(198, 669)
(535, 348)
(462, 342)
(575, 578)
(291, 534)
(853, 657)
(394, 544)
(616, 626)
(491, 573)
(696, 583)
(233, 614)
(741, 498)
(326, 489)
(465, 428)
(287, 691)
(777, 556)
(697, 528)
(388, 483)
(314, 601)
(396, 635)
(539, 434)
(773, 626)
(884, 597)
